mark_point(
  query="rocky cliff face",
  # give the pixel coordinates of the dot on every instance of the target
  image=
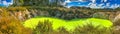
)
(62, 13)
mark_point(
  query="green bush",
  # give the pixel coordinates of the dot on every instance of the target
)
(43, 28)
(11, 25)
(89, 29)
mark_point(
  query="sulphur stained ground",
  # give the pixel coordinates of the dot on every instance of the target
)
(68, 24)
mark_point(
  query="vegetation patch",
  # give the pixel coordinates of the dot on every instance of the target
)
(68, 24)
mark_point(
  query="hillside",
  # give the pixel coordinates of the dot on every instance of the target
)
(15, 18)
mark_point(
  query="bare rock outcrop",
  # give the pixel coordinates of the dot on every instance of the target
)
(116, 20)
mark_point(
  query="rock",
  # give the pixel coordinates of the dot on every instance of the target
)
(101, 15)
(116, 20)
(116, 30)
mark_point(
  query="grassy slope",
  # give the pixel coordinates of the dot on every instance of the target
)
(69, 25)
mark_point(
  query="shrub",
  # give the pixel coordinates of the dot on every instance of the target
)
(43, 28)
(11, 25)
(46, 28)
(62, 30)
(16, 8)
(89, 29)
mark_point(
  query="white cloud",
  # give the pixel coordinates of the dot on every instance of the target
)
(10, 3)
(67, 6)
(64, 3)
(81, 0)
(114, 6)
(100, 5)
(107, 4)
(93, 1)
(5, 3)
(67, 1)
(94, 4)
(105, 0)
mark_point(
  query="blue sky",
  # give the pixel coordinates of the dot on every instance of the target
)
(6, 2)
(93, 3)
(79, 3)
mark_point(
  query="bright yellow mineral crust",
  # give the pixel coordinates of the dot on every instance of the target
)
(69, 25)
